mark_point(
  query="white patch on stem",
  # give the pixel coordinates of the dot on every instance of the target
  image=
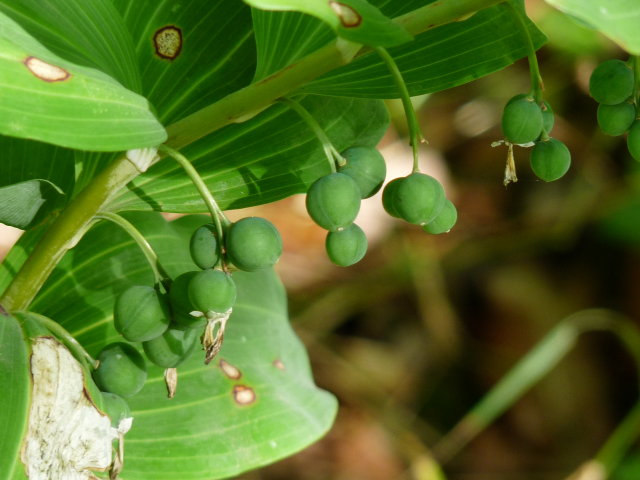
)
(142, 158)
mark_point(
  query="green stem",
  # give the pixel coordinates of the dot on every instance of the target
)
(530, 369)
(636, 75)
(333, 156)
(159, 273)
(65, 337)
(620, 441)
(67, 229)
(537, 84)
(216, 213)
(415, 136)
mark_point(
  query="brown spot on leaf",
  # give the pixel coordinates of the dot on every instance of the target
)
(349, 17)
(168, 42)
(279, 364)
(243, 395)
(229, 370)
(46, 71)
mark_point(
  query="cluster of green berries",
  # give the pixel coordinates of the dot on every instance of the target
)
(613, 86)
(525, 121)
(167, 324)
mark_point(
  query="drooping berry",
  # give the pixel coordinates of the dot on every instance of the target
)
(611, 82)
(616, 119)
(253, 243)
(388, 195)
(141, 313)
(212, 291)
(204, 247)
(548, 118)
(367, 167)
(347, 246)
(333, 201)
(116, 408)
(522, 119)
(172, 347)
(121, 370)
(418, 198)
(181, 306)
(550, 159)
(444, 221)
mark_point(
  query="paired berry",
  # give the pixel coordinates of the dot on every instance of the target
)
(204, 247)
(550, 159)
(367, 167)
(253, 243)
(212, 291)
(416, 198)
(611, 82)
(116, 408)
(171, 348)
(121, 370)
(522, 119)
(141, 313)
(333, 201)
(444, 221)
(347, 246)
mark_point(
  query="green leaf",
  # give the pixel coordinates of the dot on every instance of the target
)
(24, 204)
(355, 20)
(203, 432)
(618, 19)
(438, 59)
(14, 377)
(267, 158)
(47, 98)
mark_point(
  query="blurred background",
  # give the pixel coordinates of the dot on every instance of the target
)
(412, 337)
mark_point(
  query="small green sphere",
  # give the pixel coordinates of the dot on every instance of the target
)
(347, 246)
(550, 159)
(181, 306)
(522, 119)
(204, 247)
(172, 347)
(121, 370)
(445, 220)
(367, 167)
(611, 82)
(616, 119)
(388, 196)
(141, 313)
(116, 408)
(633, 140)
(212, 291)
(418, 198)
(333, 201)
(253, 243)
(548, 118)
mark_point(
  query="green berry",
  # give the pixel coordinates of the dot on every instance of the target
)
(204, 247)
(633, 140)
(611, 82)
(121, 370)
(212, 291)
(171, 348)
(521, 119)
(418, 198)
(333, 201)
(141, 313)
(253, 243)
(616, 119)
(388, 195)
(347, 246)
(181, 306)
(445, 220)
(116, 408)
(550, 159)
(367, 167)
(548, 118)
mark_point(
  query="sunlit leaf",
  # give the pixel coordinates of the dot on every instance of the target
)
(205, 431)
(26, 203)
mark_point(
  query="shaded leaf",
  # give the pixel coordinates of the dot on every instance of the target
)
(24, 204)
(267, 158)
(15, 380)
(355, 20)
(441, 58)
(46, 98)
(203, 432)
(618, 20)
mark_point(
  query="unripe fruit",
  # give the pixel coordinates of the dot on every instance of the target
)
(171, 348)
(611, 82)
(181, 306)
(445, 220)
(333, 201)
(141, 313)
(548, 118)
(616, 119)
(121, 370)
(253, 243)
(388, 195)
(347, 246)
(204, 247)
(633, 140)
(367, 167)
(418, 198)
(116, 408)
(550, 159)
(212, 291)
(521, 119)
